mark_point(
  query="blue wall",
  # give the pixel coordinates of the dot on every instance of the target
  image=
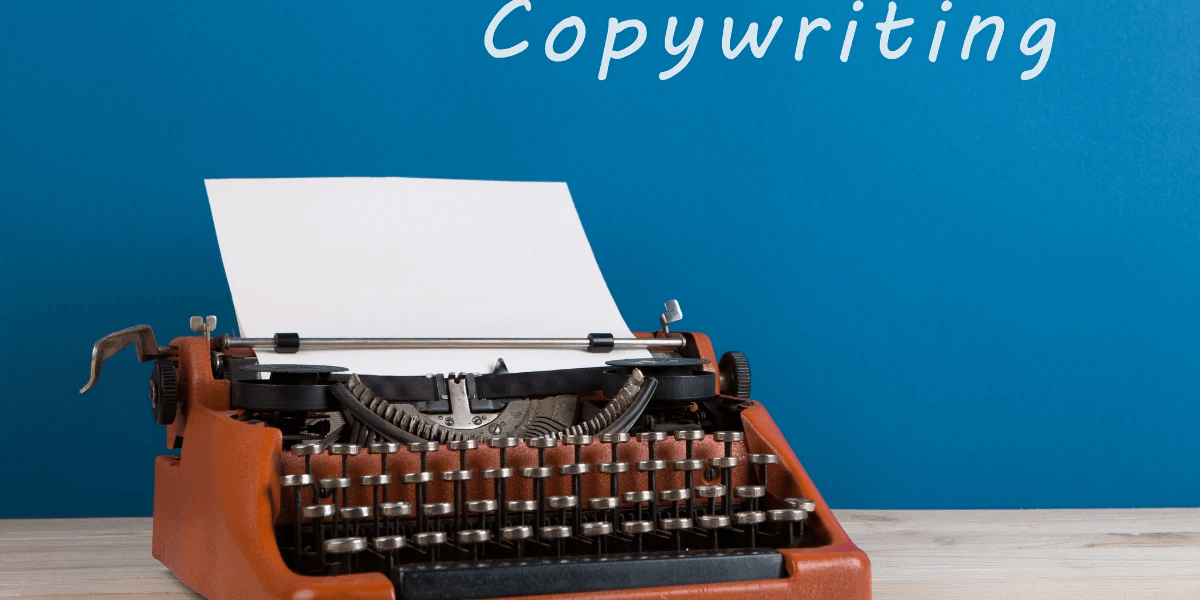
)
(957, 288)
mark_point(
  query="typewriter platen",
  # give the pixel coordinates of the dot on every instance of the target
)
(647, 478)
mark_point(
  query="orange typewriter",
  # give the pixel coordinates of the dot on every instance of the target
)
(645, 478)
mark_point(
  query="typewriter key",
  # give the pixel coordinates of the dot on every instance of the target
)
(517, 534)
(396, 509)
(352, 515)
(598, 530)
(713, 523)
(557, 533)
(673, 524)
(603, 503)
(348, 545)
(801, 503)
(473, 538)
(388, 543)
(638, 499)
(789, 517)
(689, 464)
(431, 541)
(345, 546)
(750, 519)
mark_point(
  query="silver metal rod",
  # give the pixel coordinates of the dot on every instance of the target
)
(443, 343)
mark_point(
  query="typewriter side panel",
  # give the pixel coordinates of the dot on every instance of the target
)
(216, 504)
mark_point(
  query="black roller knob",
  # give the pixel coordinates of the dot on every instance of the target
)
(164, 392)
(735, 374)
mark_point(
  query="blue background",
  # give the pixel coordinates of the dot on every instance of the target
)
(957, 289)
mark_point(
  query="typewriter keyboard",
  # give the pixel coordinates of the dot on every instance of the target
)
(542, 515)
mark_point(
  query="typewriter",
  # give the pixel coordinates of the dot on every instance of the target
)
(646, 478)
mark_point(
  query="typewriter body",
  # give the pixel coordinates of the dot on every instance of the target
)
(646, 478)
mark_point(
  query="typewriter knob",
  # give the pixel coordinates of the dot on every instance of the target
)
(735, 374)
(164, 392)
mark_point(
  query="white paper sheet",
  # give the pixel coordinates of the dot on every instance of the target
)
(398, 257)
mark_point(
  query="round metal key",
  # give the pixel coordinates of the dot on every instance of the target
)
(516, 532)
(474, 536)
(750, 517)
(689, 435)
(356, 512)
(710, 491)
(801, 503)
(296, 480)
(764, 459)
(461, 445)
(750, 491)
(608, 503)
(421, 477)
(504, 442)
(555, 532)
(345, 545)
(456, 475)
(521, 505)
(613, 468)
(679, 524)
(383, 448)
(638, 496)
(430, 538)
(596, 528)
(729, 436)
(388, 542)
(395, 509)
(634, 527)
(319, 511)
(559, 502)
(502, 473)
(712, 521)
(334, 483)
(371, 480)
(786, 515)
(482, 506)
(437, 509)
(574, 469)
(675, 495)
(724, 462)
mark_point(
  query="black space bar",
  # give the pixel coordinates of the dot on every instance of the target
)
(490, 579)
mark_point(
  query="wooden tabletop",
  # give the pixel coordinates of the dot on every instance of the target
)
(925, 555)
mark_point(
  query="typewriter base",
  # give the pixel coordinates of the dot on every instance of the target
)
(216, 506)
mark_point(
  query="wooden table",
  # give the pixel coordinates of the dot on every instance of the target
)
(1059, 554)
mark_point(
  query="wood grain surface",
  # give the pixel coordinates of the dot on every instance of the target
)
(919, 555)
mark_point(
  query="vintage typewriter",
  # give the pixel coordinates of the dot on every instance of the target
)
(646, 478)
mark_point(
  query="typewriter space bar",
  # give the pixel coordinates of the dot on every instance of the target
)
(499, 578)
